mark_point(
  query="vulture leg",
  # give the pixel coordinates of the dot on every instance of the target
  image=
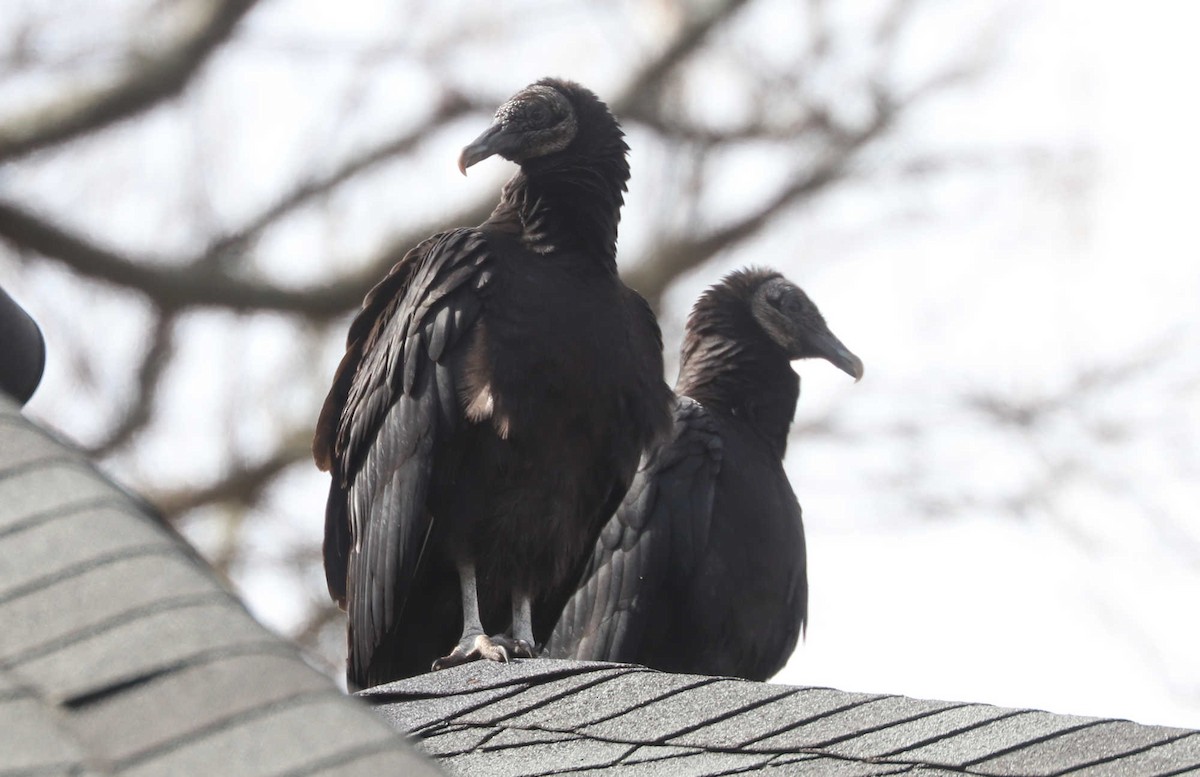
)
(521, 644)
(474, 644)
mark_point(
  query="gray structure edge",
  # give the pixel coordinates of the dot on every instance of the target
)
(196, 660)
(169, 604)
(347, 757)
(164, 549)
(66, 458)
(46, 771)
(198, 734)
(68, 510)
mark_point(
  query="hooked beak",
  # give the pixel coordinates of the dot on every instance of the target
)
(831, 349)
(482, 147)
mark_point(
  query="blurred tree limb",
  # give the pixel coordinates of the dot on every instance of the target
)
(242, 484)
(210, 278)
(148, 80)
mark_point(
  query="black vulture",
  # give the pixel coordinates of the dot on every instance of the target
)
(498, 389)
(702, 568)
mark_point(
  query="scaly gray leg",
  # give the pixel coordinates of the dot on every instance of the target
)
(521, 643)
(474, 644)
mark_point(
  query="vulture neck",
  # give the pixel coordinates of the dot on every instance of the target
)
(573, 201)
(746, 376)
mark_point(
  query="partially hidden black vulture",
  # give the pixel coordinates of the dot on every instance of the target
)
(702, 568)
(498, 389)
(22, 350)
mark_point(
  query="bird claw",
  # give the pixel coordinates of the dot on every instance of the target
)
(516, 648)
(475, 647)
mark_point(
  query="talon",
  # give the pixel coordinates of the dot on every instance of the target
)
(474, 648)
(517, 648)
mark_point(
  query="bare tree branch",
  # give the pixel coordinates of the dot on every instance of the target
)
(453, 105)
(643, 89)
(147, 82)
(652, 277)
(1092, 381)
(172, 286)
(318, 620)
(201, 282)
(242, 485)
(140, 407)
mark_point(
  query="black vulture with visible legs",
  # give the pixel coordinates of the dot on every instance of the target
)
(498, 389)
(702, 569)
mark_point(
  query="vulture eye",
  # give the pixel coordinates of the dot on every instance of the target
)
(539, 115)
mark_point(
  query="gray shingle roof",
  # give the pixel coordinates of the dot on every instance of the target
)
(565, 717)
(120, 652)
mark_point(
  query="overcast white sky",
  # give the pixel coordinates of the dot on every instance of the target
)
(1091, 604)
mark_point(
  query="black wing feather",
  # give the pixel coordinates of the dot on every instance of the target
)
(659, 532)
(394, 401)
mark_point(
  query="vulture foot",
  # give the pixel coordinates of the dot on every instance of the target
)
(475, 647)
(517, 648)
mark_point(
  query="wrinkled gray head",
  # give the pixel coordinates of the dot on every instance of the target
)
(793, 322)
(537, 121)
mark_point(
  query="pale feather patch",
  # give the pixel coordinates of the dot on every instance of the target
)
(482, 407)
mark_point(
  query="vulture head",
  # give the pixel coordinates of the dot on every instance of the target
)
(537, 121)
(792, 321)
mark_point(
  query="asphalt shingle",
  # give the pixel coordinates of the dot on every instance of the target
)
(993, 738)
(904, 736)
(25, 445)
(121, 651)
(90, 597)
(538, 758)
(694, 764)
(627, 722)
(478, 676)
(848, 723)
(1075, 749)
(419, 714)
(32, 739)
(456, 740)
(541, 696)
(36, 555)
(1169, 758)
(144, 644)
(272, 740)
(216, 690)
(796, 706)
(691, 706)
(808, 765)
(634, 688)
(35, 493)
